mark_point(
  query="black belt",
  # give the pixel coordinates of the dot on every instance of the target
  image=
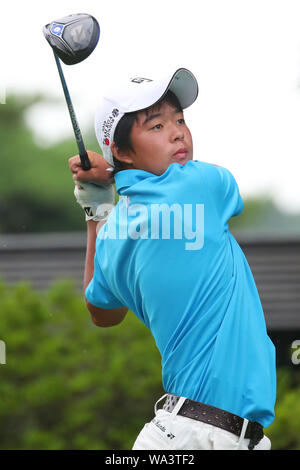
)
(220, 418)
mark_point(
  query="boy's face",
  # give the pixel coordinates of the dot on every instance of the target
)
(159, 138)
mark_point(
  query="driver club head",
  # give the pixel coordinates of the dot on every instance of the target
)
(73, 38)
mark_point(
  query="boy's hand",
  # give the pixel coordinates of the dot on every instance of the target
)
(100, 173)
(93, 188)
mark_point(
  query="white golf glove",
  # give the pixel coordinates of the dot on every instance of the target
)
(96, 200)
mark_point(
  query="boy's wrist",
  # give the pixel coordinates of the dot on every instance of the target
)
(93, 226)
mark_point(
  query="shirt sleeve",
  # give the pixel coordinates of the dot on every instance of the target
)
(226, 192)
(98, 292)
(230, 189)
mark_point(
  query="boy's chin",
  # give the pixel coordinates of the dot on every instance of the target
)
(182, 160)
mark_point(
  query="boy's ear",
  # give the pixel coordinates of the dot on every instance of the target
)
(123, 156)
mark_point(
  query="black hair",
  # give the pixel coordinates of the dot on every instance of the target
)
(122, 135)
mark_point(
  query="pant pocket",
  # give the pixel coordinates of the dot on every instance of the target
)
(153, 436)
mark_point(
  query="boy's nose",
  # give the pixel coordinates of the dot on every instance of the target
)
(179, 137)
(177, 134)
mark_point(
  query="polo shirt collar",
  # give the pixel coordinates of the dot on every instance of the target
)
(125, 179)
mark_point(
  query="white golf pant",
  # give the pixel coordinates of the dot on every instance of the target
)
(170, 431)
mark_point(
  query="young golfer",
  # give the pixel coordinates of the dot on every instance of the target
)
(165, 252)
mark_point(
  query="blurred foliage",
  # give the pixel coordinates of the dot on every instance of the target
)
(284, 432)
(68, 384)
(36, 187)
(261, 215)
(253, 214)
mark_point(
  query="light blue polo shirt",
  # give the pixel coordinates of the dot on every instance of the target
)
(167, 254)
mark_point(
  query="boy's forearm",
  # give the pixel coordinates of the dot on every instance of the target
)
(92, 230)
(101, 317)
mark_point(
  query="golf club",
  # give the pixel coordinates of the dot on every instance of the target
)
(73, 38)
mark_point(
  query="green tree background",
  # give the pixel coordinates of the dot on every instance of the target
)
(67, 384)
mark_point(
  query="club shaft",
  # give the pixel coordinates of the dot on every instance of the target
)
(85, 163)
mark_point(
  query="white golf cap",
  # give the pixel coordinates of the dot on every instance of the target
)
(136, 94)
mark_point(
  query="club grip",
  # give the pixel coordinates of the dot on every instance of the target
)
(85, 162)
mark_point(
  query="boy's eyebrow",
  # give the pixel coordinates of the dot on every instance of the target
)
(150, 117)
(155, 115)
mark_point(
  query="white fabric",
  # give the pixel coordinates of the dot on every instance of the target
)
(169, 431)
(97, 201)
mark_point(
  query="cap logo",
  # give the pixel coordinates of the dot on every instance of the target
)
(141, 80)
(108, 124)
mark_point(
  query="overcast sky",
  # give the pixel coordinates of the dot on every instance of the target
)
(244, 53)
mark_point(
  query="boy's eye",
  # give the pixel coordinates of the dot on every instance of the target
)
(181, 121)
(157, 126)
